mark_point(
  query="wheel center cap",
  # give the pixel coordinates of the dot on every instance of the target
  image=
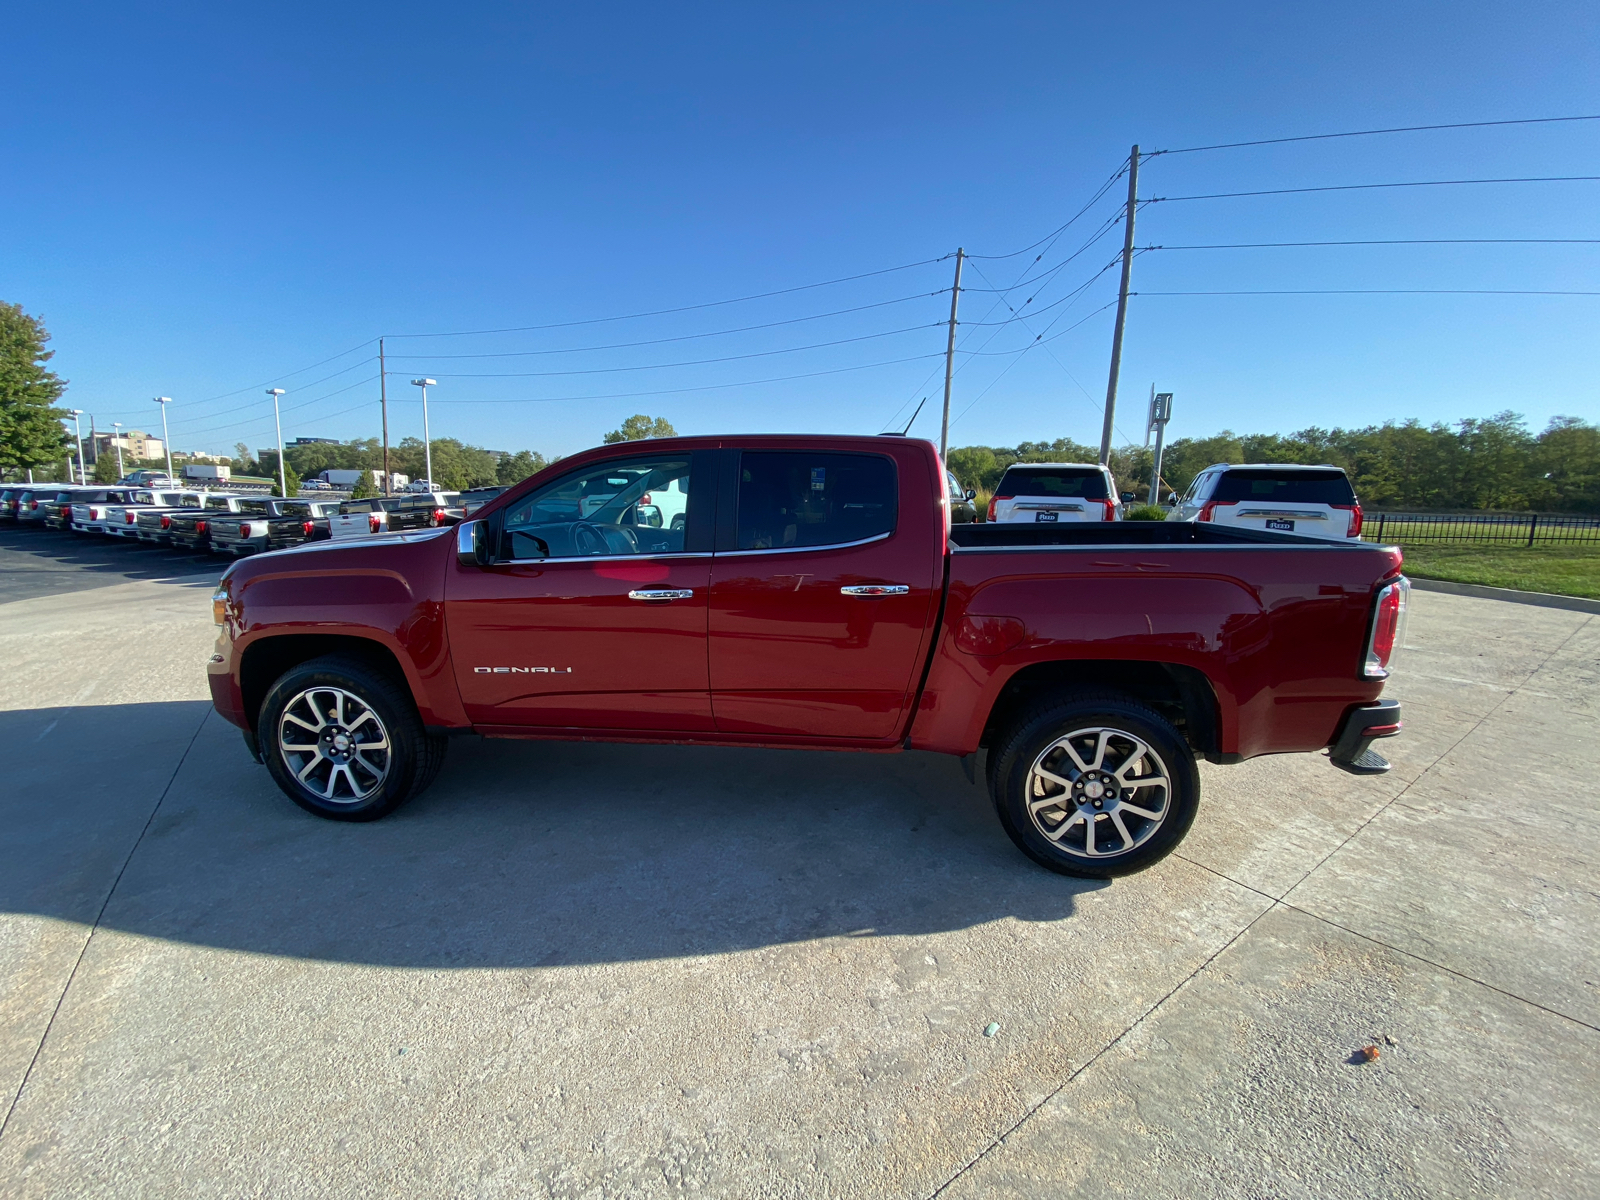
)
(1094, 789)
(341, 742)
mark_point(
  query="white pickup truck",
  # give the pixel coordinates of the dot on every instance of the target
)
(394, 514)
(122, 520)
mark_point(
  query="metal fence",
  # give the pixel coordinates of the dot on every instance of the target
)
(1510, 529)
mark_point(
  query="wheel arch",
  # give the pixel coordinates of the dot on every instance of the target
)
(1183, 695)
(265, 660)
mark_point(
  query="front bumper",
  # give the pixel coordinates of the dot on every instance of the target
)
(1352, 745)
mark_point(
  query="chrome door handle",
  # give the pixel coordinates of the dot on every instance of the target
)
(662, 594)
(870, 590)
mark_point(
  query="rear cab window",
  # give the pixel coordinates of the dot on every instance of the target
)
(1330, 487)
(801, 499)
(1067, 483)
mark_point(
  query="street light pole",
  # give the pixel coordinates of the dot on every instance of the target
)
(277, 419)
(166, 442)
(427, 438)
(77, 425)
(116, 440)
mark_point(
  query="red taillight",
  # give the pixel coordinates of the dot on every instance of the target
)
(994, 500)
(306, 527)
(166, 522)
(1211, 506)
(438, 516)
(1111, 509)
(373, 523)
(33, 506)
(1354, 528)
(1388, 626)
(201, 526)
(130, 518)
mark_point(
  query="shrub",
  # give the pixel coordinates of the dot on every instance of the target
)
(1145, 512)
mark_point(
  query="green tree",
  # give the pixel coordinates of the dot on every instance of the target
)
(105, 468)
(638, 427)
(31, 433)
(514, 468)
(363, 488)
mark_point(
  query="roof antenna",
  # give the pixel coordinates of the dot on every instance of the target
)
(911, 422)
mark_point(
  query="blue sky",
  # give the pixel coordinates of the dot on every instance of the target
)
(204, 200)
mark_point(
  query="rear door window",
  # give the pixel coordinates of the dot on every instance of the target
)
(1286, 487)
(1067, 483)
(796, 499)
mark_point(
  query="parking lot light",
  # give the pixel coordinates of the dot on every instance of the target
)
(166, 442)
(116, 440)
(427, 439)
(277, 419)
(75, 413)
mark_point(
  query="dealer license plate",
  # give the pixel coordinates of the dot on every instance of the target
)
(1281, 526)
(1046, 516)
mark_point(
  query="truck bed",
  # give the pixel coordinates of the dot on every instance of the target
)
(1132, 533)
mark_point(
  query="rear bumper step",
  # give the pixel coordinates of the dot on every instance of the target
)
(1352, 747)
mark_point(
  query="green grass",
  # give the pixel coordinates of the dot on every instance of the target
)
(1566, 570)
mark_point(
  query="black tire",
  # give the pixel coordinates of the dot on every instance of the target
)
(336, 776)
(1058, 837)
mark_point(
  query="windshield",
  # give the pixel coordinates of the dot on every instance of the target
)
(1077, 483)
(1287, 487)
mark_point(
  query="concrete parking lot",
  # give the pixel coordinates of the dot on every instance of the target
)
(580, 970)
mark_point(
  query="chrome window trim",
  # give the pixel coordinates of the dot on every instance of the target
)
(597, 558)
(877, 537)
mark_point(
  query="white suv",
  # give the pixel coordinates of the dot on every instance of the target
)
(1048, 493)
(1274, 497)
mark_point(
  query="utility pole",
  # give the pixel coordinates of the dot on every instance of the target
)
(1160, 414)
(116, 440)
(383, 400)
(166, 442)
(277, 418)
(950, 356)
(1122, 307)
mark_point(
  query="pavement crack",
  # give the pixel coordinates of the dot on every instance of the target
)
(1005, 1133)
(83, 951)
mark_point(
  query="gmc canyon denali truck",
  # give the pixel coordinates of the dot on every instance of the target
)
(811, 592)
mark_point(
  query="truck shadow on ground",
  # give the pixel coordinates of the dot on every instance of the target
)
(521, 854)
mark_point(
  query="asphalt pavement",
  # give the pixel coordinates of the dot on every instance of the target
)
(584, 970)
(47, 562)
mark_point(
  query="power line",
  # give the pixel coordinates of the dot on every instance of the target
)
(1392, 242)
(287, 375)
(1317, 137)
(686, 337)
(684, 308)
(1376, 292)
(698, 362)
(709, 387)
(1359, 187)
(1059, 230)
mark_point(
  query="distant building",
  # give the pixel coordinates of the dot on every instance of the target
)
(134, 443)
(304, 441)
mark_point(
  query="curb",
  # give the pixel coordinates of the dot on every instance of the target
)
(1483, 592)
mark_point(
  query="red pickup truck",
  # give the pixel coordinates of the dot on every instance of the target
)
(811, 592)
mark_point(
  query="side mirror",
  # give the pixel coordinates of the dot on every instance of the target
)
(1127, 497)
(971, 495)
(1172, 497)
(472, 544)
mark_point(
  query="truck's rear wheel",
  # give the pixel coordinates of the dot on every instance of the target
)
(344, 741)
(1094, 786)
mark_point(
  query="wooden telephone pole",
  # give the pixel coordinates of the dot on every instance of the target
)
(1122, 307)
(950, 357)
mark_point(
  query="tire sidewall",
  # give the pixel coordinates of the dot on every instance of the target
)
(400, 721)
(1009, 783)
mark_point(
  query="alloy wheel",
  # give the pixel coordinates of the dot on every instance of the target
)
(1098, 792)
(334, 744)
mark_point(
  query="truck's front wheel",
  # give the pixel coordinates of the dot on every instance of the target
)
(344, 741)
(1094, 785)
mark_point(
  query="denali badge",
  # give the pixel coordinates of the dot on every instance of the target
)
(522, 670)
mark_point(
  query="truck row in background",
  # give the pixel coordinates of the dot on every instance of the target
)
(233, 523)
